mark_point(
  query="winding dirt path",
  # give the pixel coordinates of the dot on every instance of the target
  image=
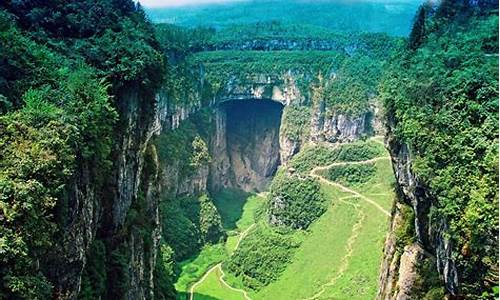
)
(357, 226)
(193, 287)
(219, 268)
(350, 242)
(346, 189)
(221, 279)
(349, 246)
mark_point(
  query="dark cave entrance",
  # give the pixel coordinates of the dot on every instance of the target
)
(252, 129)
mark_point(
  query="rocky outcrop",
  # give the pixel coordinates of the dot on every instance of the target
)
(430, 233)
(337, 127)
(408, 271)
(69, 259)
(246, 144)
(281, 88)
(95, 214)
(388, 275)
(343, 128)
(138, 119)
(290, 44)
(220, 168)
(288, 148)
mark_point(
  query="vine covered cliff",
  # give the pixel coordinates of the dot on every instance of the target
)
(442, 111)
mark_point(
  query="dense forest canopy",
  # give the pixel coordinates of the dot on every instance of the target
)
(442, 98)
(63, 66)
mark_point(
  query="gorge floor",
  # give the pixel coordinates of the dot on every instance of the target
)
(339, 256)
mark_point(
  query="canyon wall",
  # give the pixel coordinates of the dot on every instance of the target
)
(401, 269)
(246, 148)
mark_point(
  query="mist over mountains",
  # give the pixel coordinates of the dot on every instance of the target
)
(392, 17)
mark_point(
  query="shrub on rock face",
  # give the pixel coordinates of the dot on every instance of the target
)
(295, 201)
(210, 221)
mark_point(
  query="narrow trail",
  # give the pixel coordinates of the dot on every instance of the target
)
(349, 247)
(243, 235)
(219, 268)
(345, 163)
(193, 287)
(346, 189)
(221, 279)
(350, 242)
(357, 226)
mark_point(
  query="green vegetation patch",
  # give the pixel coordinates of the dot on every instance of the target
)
(261, 256)
(322, 155)
(246, 67)
(190, 222)
(230, 204)
(351, 175)
(312, 156)
(296, 123)
(187, 146)
(294, 201)
(442, 97)
(193, 269)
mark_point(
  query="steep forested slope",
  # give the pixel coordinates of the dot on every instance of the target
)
(65, 70)
(442, 106)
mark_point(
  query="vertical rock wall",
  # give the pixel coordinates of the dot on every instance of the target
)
(430, 232)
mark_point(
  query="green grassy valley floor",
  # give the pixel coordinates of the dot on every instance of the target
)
(200, 276)
(339, 256)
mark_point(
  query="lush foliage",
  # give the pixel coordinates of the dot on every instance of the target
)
(321, 155)
(261, 257)
(352, 174)
(230, 204)
(60, 63)
(295, 201)
(164, 274)
(94, 274)
(296, 123)
(190, 222)
(111, 35)
(194, 268)
(186, 146)
(442, 98)
(405, 232)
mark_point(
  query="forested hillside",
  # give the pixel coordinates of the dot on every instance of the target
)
(65, 66)
(249, 150)
(441, 97)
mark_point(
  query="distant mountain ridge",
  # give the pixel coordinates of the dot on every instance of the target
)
(392, 17)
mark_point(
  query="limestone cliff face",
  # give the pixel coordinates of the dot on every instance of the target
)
(288, 148)
(94, 214)
(220, 168)
(342, 128)
(277, 44)
(430, 233)
(281, 88)
(333, 126)
(69, 257)
(138, 127)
